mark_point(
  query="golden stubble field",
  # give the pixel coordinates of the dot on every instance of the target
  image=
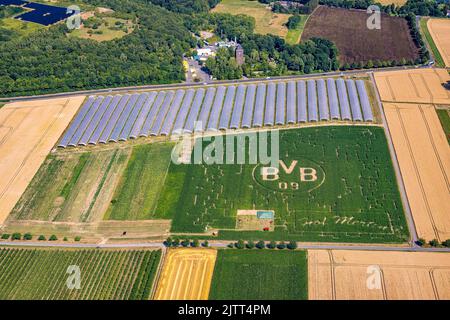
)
(28, 131)
(186, 274)
(416, 86)
(424, 158)
(409, 99)
(396, 2)
(349, 274)
(440, 31)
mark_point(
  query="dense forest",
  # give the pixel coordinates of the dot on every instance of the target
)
(186, 6)
(49, 61)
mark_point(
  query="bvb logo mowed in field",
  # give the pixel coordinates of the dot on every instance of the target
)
(292, 175)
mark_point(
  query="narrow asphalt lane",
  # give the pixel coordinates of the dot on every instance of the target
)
(222, 244)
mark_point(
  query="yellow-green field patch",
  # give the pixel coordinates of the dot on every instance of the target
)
(293, 36)
(103, 29)
(141, 183)
(21, 27)
(75, 187)
(266, 20)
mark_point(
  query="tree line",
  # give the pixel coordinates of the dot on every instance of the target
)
(417, 7)
(187, 6)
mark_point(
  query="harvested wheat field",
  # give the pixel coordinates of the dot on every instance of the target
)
(440, 31)
(396, 2)
(417, 86)
(424, 159)
(186, 274)
(348, 275)
(28, 131)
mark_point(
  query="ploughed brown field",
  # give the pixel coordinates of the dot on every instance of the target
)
(355, 42)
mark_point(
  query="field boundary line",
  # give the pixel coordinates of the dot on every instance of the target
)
(332, 274)
(158, 274)
(383, 284)
(433, 284)
(414, 85)
(427, 88)
(306, 22)
(388, 82)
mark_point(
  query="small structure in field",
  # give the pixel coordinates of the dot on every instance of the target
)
(255, 220)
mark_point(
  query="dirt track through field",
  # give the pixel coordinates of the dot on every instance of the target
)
(341, 274)
(186, 274)
(28, 132)
(440, 31)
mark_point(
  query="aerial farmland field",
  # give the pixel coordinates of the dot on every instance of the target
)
(41, 274)
(422, 151)
(141, 183)
(354, 197)
(420, 144)
(355, 42)
(28, 131)
(186, 274)
(254, 274)
(111, 184)
(396, 2)
(266, 21)
(440, 31)
(415, 86)
(343, 274)
(73, 187)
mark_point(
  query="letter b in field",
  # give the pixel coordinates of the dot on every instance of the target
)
(308, 174)
(270, 173)
(74, 279)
